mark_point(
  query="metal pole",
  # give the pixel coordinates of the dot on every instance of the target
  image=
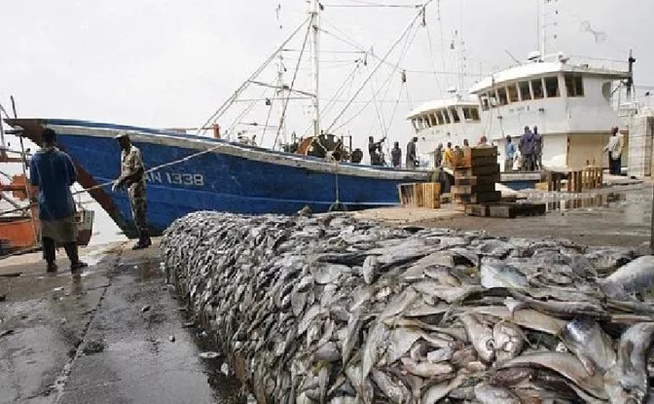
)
(315, 28)
(27, 185)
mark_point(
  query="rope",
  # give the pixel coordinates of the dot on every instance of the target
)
(266, 125)
(221, 110)
(153, 169)
(377, 67)
(432, 61)
(282, 118)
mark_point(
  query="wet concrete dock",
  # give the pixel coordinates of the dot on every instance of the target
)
(115, 334)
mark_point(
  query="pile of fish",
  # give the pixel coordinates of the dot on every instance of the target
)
(331, 309)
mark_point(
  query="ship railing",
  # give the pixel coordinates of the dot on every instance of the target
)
(613, 65)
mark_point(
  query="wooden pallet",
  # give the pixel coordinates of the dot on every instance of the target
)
(493, 196)
(507, 210)
(431, 195)
(473, 189)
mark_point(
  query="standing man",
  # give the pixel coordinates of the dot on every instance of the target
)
(54, 173)
(509, 154)
(396, 155)
(438, 156)
(374, 149)
(538, 150)
(411, 156)
(132, 175)
(614, 147)
(448, 156)
(527, 148)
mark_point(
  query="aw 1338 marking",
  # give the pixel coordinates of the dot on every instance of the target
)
(187, 179)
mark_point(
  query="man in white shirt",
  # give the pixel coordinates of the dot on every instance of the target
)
(614, 147)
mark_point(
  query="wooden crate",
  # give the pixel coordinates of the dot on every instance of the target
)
(407, 194)
(592, 177)
(476, 209)
(431, 195)
(478, 170)
(512, 209)
(575, 181)
(476, 179)
(493, 196)
(473, 189)
(507, 210)
(420, 194)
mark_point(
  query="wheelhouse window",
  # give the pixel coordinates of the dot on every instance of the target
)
(574, 85)
(525, 95)
(434, 119)
(485, 104)
(414, 122)
(513, 92)
(502, 96)
(439, 116)
(446, 116)
(474, 112)
(537, 88)
(492, 96)
(455, 114)
(552, 87)
(430, 119)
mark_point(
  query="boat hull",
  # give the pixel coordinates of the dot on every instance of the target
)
(212, 174)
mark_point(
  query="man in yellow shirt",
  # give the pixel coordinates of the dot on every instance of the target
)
(448, 155)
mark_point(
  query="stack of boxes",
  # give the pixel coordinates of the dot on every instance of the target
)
(475, 177)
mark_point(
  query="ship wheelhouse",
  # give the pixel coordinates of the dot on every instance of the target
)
(571, 104)
(443, 121)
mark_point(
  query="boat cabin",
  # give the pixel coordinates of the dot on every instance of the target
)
(447, 120)
(571, 104)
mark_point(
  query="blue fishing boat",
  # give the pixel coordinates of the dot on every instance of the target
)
(194, 173)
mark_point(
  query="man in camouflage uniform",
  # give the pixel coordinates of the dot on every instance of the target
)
(132, 175)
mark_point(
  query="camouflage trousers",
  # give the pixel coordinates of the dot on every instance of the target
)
(138, 205)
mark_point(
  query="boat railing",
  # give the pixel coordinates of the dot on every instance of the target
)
(613, 65)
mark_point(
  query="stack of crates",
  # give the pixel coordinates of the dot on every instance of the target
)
(474, 181)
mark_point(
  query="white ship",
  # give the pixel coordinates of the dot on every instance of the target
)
(571, 103)
(451, 120)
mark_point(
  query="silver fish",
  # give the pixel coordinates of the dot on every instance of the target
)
(585, 338)
(427, 370)
(437, 391)
(626, 381)
(370, 269)
(634, 277)
(567, 365)
(508, 340)
(392, 388)
(488, 394)
(481, 337)
(497, 274)
(371, 353)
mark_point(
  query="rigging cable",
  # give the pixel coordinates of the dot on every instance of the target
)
(290, 90)
(406, 30)
(221, 110)
(432, 60)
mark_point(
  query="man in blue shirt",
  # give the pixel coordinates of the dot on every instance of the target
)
(53, 172)
(509, 154)
(527, 148)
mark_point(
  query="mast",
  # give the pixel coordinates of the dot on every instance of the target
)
(540, 27)
(281, 93)
(314, 12)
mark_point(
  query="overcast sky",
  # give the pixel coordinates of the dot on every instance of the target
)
(170, 63)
